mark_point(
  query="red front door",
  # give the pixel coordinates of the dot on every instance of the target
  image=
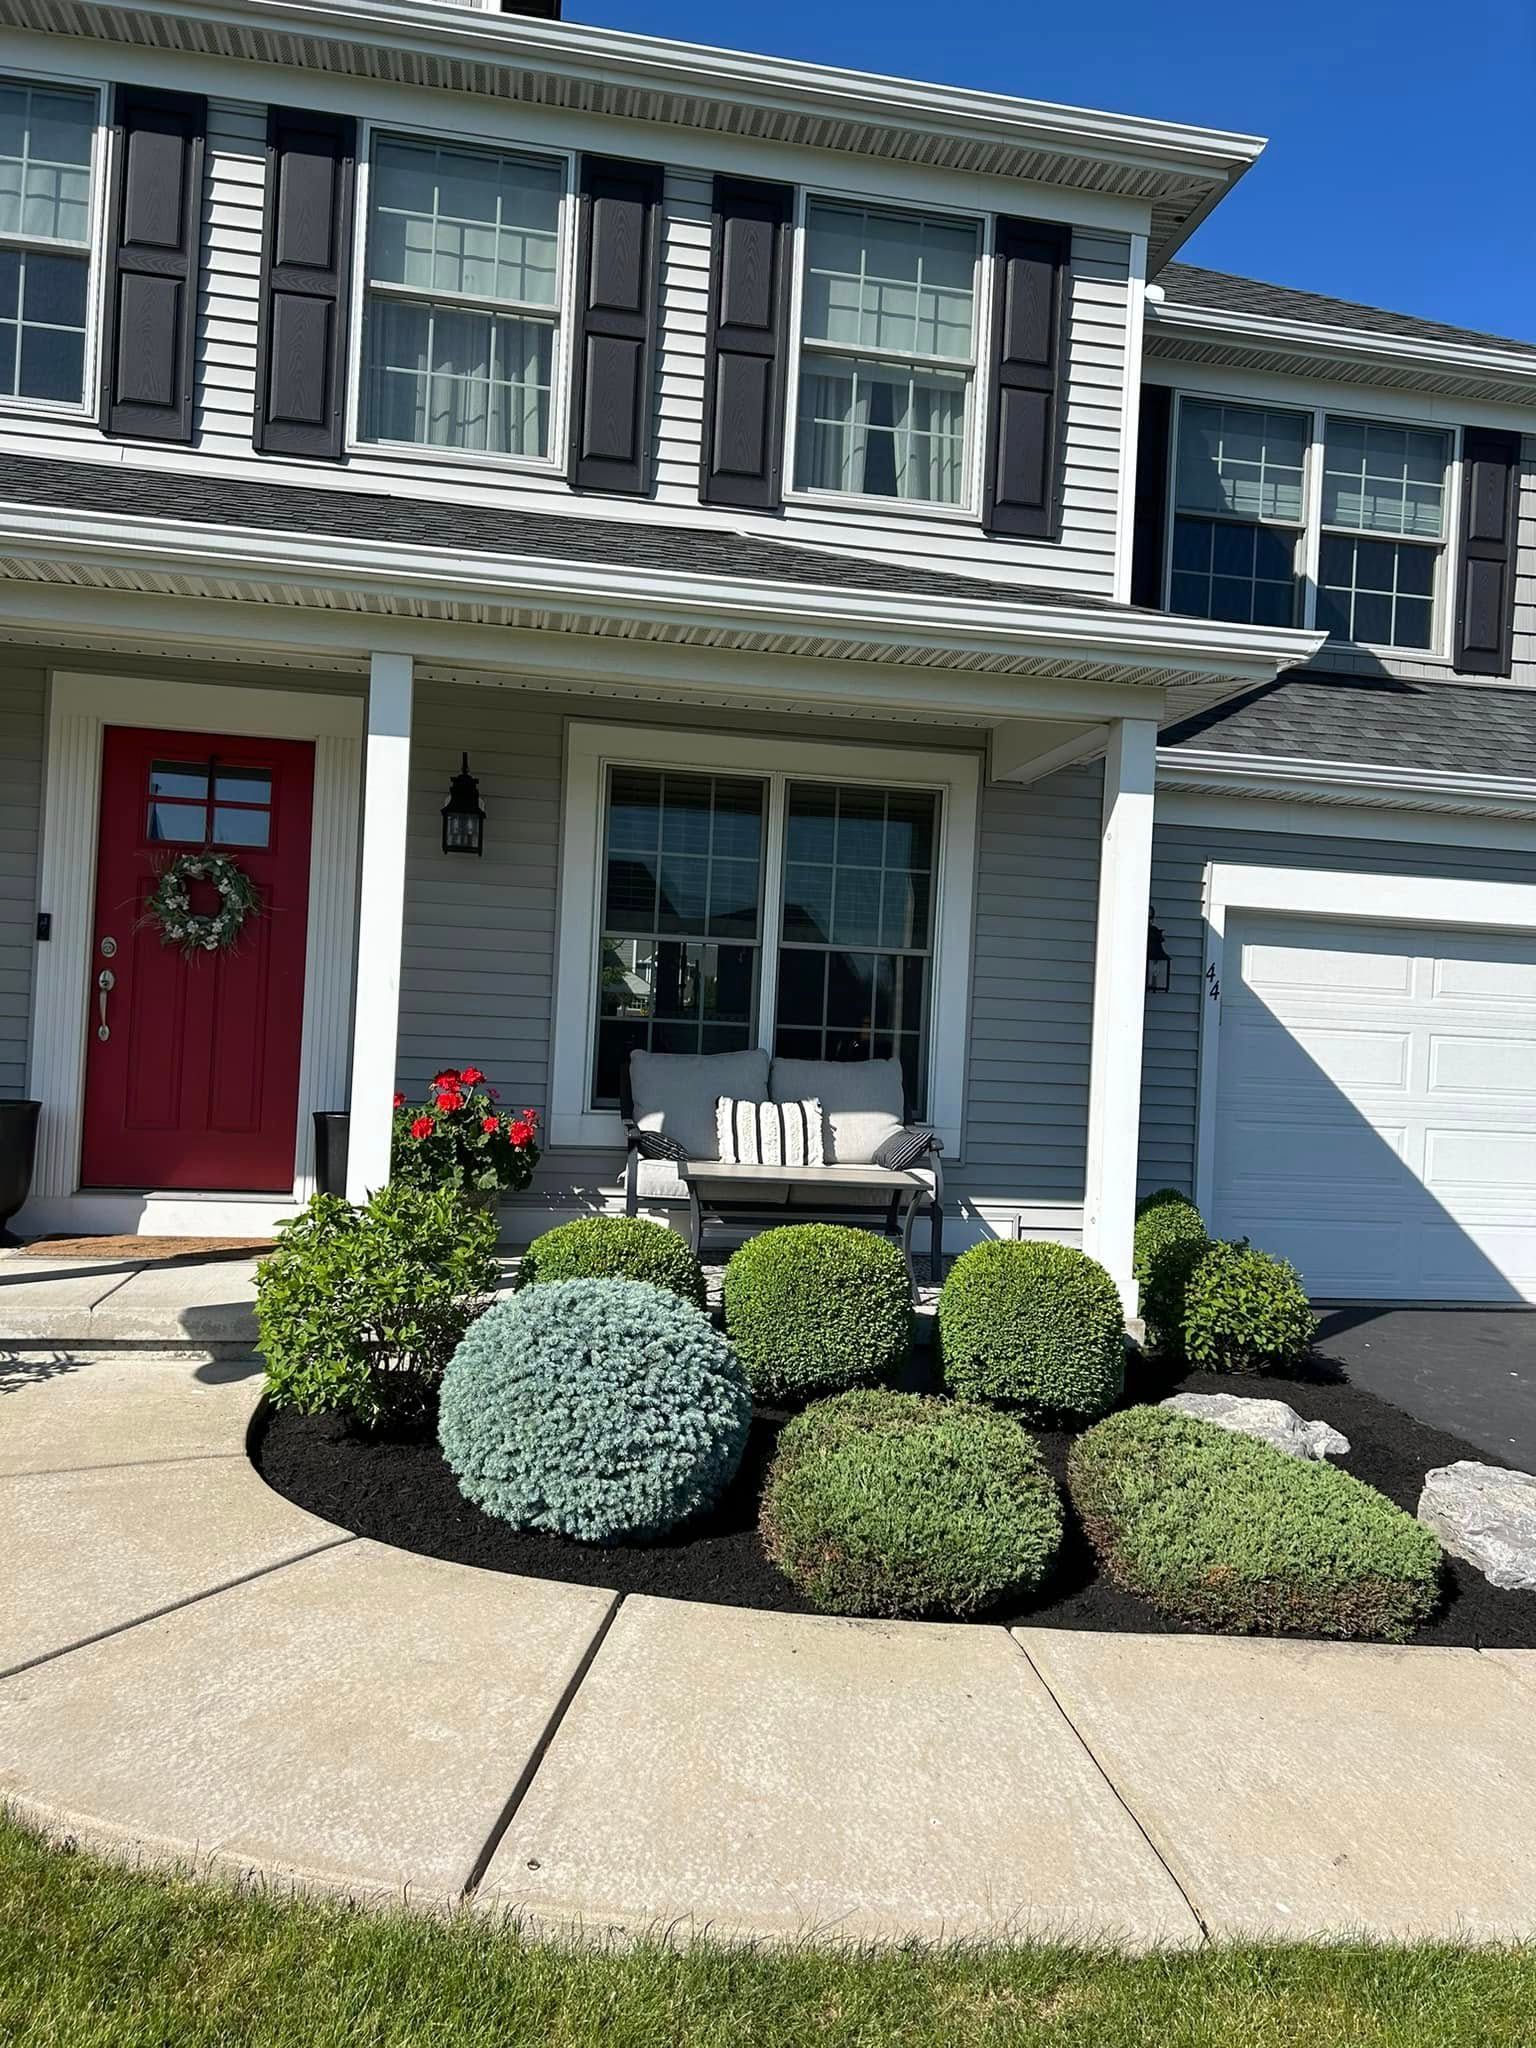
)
(195, 1082)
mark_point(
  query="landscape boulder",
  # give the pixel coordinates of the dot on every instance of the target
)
(1486, 1515)
(1273, 1422)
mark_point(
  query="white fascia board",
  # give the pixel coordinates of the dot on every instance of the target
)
(1345, 782)
(1350, 344)
(895, 618)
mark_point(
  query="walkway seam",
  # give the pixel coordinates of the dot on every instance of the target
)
(531, 1768)
(121, 1464)
(104, 1635)
(1120, 1799)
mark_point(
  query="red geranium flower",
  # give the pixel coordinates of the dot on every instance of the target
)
(399, 1101)
(470, 1076)
(423, 1127)
(520, 1130)
(489, 1125)
(450, 1099)
(448, 1078)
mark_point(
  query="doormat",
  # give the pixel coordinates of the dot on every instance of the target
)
(149, 1251)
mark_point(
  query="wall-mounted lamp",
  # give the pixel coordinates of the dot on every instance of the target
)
(1159, 966)
(464, 814)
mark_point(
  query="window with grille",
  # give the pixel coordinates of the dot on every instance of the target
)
(47, 205)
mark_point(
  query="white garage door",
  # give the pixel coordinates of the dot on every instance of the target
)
(1376, 1106)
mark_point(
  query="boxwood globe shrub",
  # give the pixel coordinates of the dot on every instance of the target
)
(814, 1308)
(614, 1248)
(881, 1503)
(1227, 1532)
(1033, 1326)
(1246, 1311)
(1163, 1198)
(602, 1409)
(1170, 1241)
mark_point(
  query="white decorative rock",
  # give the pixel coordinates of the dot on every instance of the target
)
(1273, 1422)
(1486, 1515)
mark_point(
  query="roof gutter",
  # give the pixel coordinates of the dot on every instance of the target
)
(1358, 343)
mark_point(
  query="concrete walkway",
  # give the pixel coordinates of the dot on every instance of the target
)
(191, 1669)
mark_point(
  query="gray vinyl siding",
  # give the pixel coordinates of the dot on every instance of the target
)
(21, 810)
(1180, 855)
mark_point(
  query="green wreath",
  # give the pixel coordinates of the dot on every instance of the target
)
(170, 907)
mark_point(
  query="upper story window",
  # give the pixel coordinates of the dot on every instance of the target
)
(1303, 518)
(47, 153)
(461, 307)
(887, 355)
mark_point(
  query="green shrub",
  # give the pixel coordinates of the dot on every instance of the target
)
(360, 1310)
(1170, 1241)
(1163, 1198)
(1034, 1326)
(615, 1248)
(1219, 1529)
(814, 1307)
(1246, 1311)
(602, 1409)
(900, 1504)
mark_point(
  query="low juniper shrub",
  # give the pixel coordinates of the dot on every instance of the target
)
(1222, 1531)
(814, 1308)
(1032, 1326)
(360, 1310)
(1245, 1311)
(880, 1503)
(607, 1410)
(615, 1248)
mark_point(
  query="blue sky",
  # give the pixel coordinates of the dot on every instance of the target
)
(1401, 167)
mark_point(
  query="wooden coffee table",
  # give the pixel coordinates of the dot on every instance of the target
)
(722, 1184)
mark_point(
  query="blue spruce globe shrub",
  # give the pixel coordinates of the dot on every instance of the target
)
(607, 1410)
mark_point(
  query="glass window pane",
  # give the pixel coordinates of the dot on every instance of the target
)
(1241, 460)
(243, 785)
(46, 134)
(467, 221)
(873, 430)
(241, 828)
(1223, 570)
(1416, 572)
(900, 283)
(176, 778)
(1379, 593)
(185, 824)
(451, 378)
(1385, 479)
(1413, 622)
(1372, 618)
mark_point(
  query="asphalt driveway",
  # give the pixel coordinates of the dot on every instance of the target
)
(1470, 1371)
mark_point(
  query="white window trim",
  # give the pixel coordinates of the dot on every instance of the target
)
(968, 511)
(563, 311)
(1405, 900)
(1310, 533)
(592, 749)
(89, 405)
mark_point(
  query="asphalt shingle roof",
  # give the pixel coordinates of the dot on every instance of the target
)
(1185, 284)
(1376, 721)
(491, 529)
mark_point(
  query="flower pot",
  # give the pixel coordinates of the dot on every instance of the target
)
(331, 1127)
(18, 1147)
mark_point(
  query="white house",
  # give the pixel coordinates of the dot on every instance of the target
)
(881, 594)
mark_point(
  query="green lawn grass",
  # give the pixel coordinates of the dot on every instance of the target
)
(90, 1954)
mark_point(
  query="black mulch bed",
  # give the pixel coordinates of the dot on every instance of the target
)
(399, 1491)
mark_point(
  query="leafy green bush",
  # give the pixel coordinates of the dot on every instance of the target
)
(1169, 1243)
(816, 1307)
(1163, 1198)
(1219, 1529)
(360, 1310)
(1246, 1311)
(603, 1409)
(1034, 1326)
(901, 1504)
(615, 1248)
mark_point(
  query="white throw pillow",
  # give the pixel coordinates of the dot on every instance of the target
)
(769, 1133)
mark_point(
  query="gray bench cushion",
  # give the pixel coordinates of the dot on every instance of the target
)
(863, 1101)
(676, 1092)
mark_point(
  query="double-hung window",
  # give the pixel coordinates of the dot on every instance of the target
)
(47, 205)
(461, 305)
(887, 372)
(1285, 518)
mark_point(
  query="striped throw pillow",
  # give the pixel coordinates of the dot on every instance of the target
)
(769, 1133)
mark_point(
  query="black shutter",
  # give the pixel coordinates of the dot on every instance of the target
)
(1150, 531)
(743, 452)
(1027, 415)
(615, 325)
(1485, 596)
(305, 252)
(151, 320)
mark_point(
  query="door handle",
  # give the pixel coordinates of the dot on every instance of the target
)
(106, 981)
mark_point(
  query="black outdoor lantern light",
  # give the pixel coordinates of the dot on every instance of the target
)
(464, 814)
(1159, 966)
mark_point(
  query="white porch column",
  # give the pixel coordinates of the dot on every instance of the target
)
(1119, 995)
(380, 923)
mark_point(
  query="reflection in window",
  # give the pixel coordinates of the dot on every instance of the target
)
(1238, 509)
(46, 138)
(179, 808)
(1388, 481)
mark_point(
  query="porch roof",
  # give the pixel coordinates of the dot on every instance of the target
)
(368, 555)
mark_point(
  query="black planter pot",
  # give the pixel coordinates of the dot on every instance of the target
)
(331, 1151)
(18, 1147)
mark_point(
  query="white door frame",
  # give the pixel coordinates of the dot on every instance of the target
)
(1431, 901)
(80, 707)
